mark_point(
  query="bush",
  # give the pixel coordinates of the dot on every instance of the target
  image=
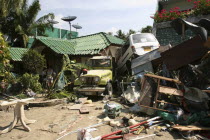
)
(169, 15)
(33, 61)
(5, 75)
(31, 81)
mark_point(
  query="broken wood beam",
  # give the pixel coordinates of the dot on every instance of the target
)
(167, 103)
(163, 78)
(170, 91)
(190, 128)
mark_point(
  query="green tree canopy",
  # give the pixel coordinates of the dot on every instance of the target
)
(147, 29)
(33, 61)
(4, 58)
(18, 20)
(121, 34)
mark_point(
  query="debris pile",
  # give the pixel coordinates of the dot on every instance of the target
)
(174, 83)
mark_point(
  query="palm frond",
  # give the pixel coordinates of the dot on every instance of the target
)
(24, 5)
(44, 18)
(33, 11)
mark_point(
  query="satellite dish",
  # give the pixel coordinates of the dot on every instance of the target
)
(69, 18)
(76, 26)
(52, 21)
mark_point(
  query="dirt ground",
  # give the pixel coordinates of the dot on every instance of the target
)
(55, 121)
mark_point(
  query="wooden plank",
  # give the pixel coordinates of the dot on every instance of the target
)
(5, 103)
(76, 107)
(167, 103)
(207, 91)
(157, 93)
(170, 91)
(89, 105)
(84, 110)
(190, 128)
(163, 78)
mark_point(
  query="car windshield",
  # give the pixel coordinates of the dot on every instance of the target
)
(101, 63)
(141, 38)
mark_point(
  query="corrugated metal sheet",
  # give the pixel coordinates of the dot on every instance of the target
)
(17, 53)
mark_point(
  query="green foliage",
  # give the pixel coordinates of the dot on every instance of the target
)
(31, 81)
(33, 61)
(165, 15)
(121, 34)
(5, 75)
(201, 7)
(72, 66)
(147, 29)
(21, 96)
(70, 70)
(4, 57)
(63, 94)
(131, 32)
(19, 18)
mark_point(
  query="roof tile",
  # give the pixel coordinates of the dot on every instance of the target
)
(17, 53)
(90, 44)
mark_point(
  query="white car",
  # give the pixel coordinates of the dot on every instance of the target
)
(137, 45)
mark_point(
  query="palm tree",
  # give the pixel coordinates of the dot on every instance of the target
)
(147, 29)
(7, 6)
(21, 22)
(130, 32)
(121, 34)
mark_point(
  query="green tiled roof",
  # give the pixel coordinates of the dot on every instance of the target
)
(17, 53)
(90, 44)
(60, 46)
(114, 40)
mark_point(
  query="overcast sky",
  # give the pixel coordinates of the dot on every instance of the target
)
(101, 15)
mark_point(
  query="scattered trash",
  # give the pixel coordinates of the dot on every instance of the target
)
(88, 102)
(132, 122)
(30, 92)
(84, 134)
(112, 110)
(135, 108)
(116, 123)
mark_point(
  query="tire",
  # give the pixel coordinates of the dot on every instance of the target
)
(109, 90)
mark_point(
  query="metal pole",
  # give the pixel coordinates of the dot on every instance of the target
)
(70, 29)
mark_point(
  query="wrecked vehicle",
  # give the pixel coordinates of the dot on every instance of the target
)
(97, 81)
(137, 45)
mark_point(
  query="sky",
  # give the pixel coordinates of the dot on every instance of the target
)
(101, 15)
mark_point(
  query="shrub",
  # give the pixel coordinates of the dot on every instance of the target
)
(201, 7)
(33, 61)
(170, 15)
(31, 81)
(5, 75)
